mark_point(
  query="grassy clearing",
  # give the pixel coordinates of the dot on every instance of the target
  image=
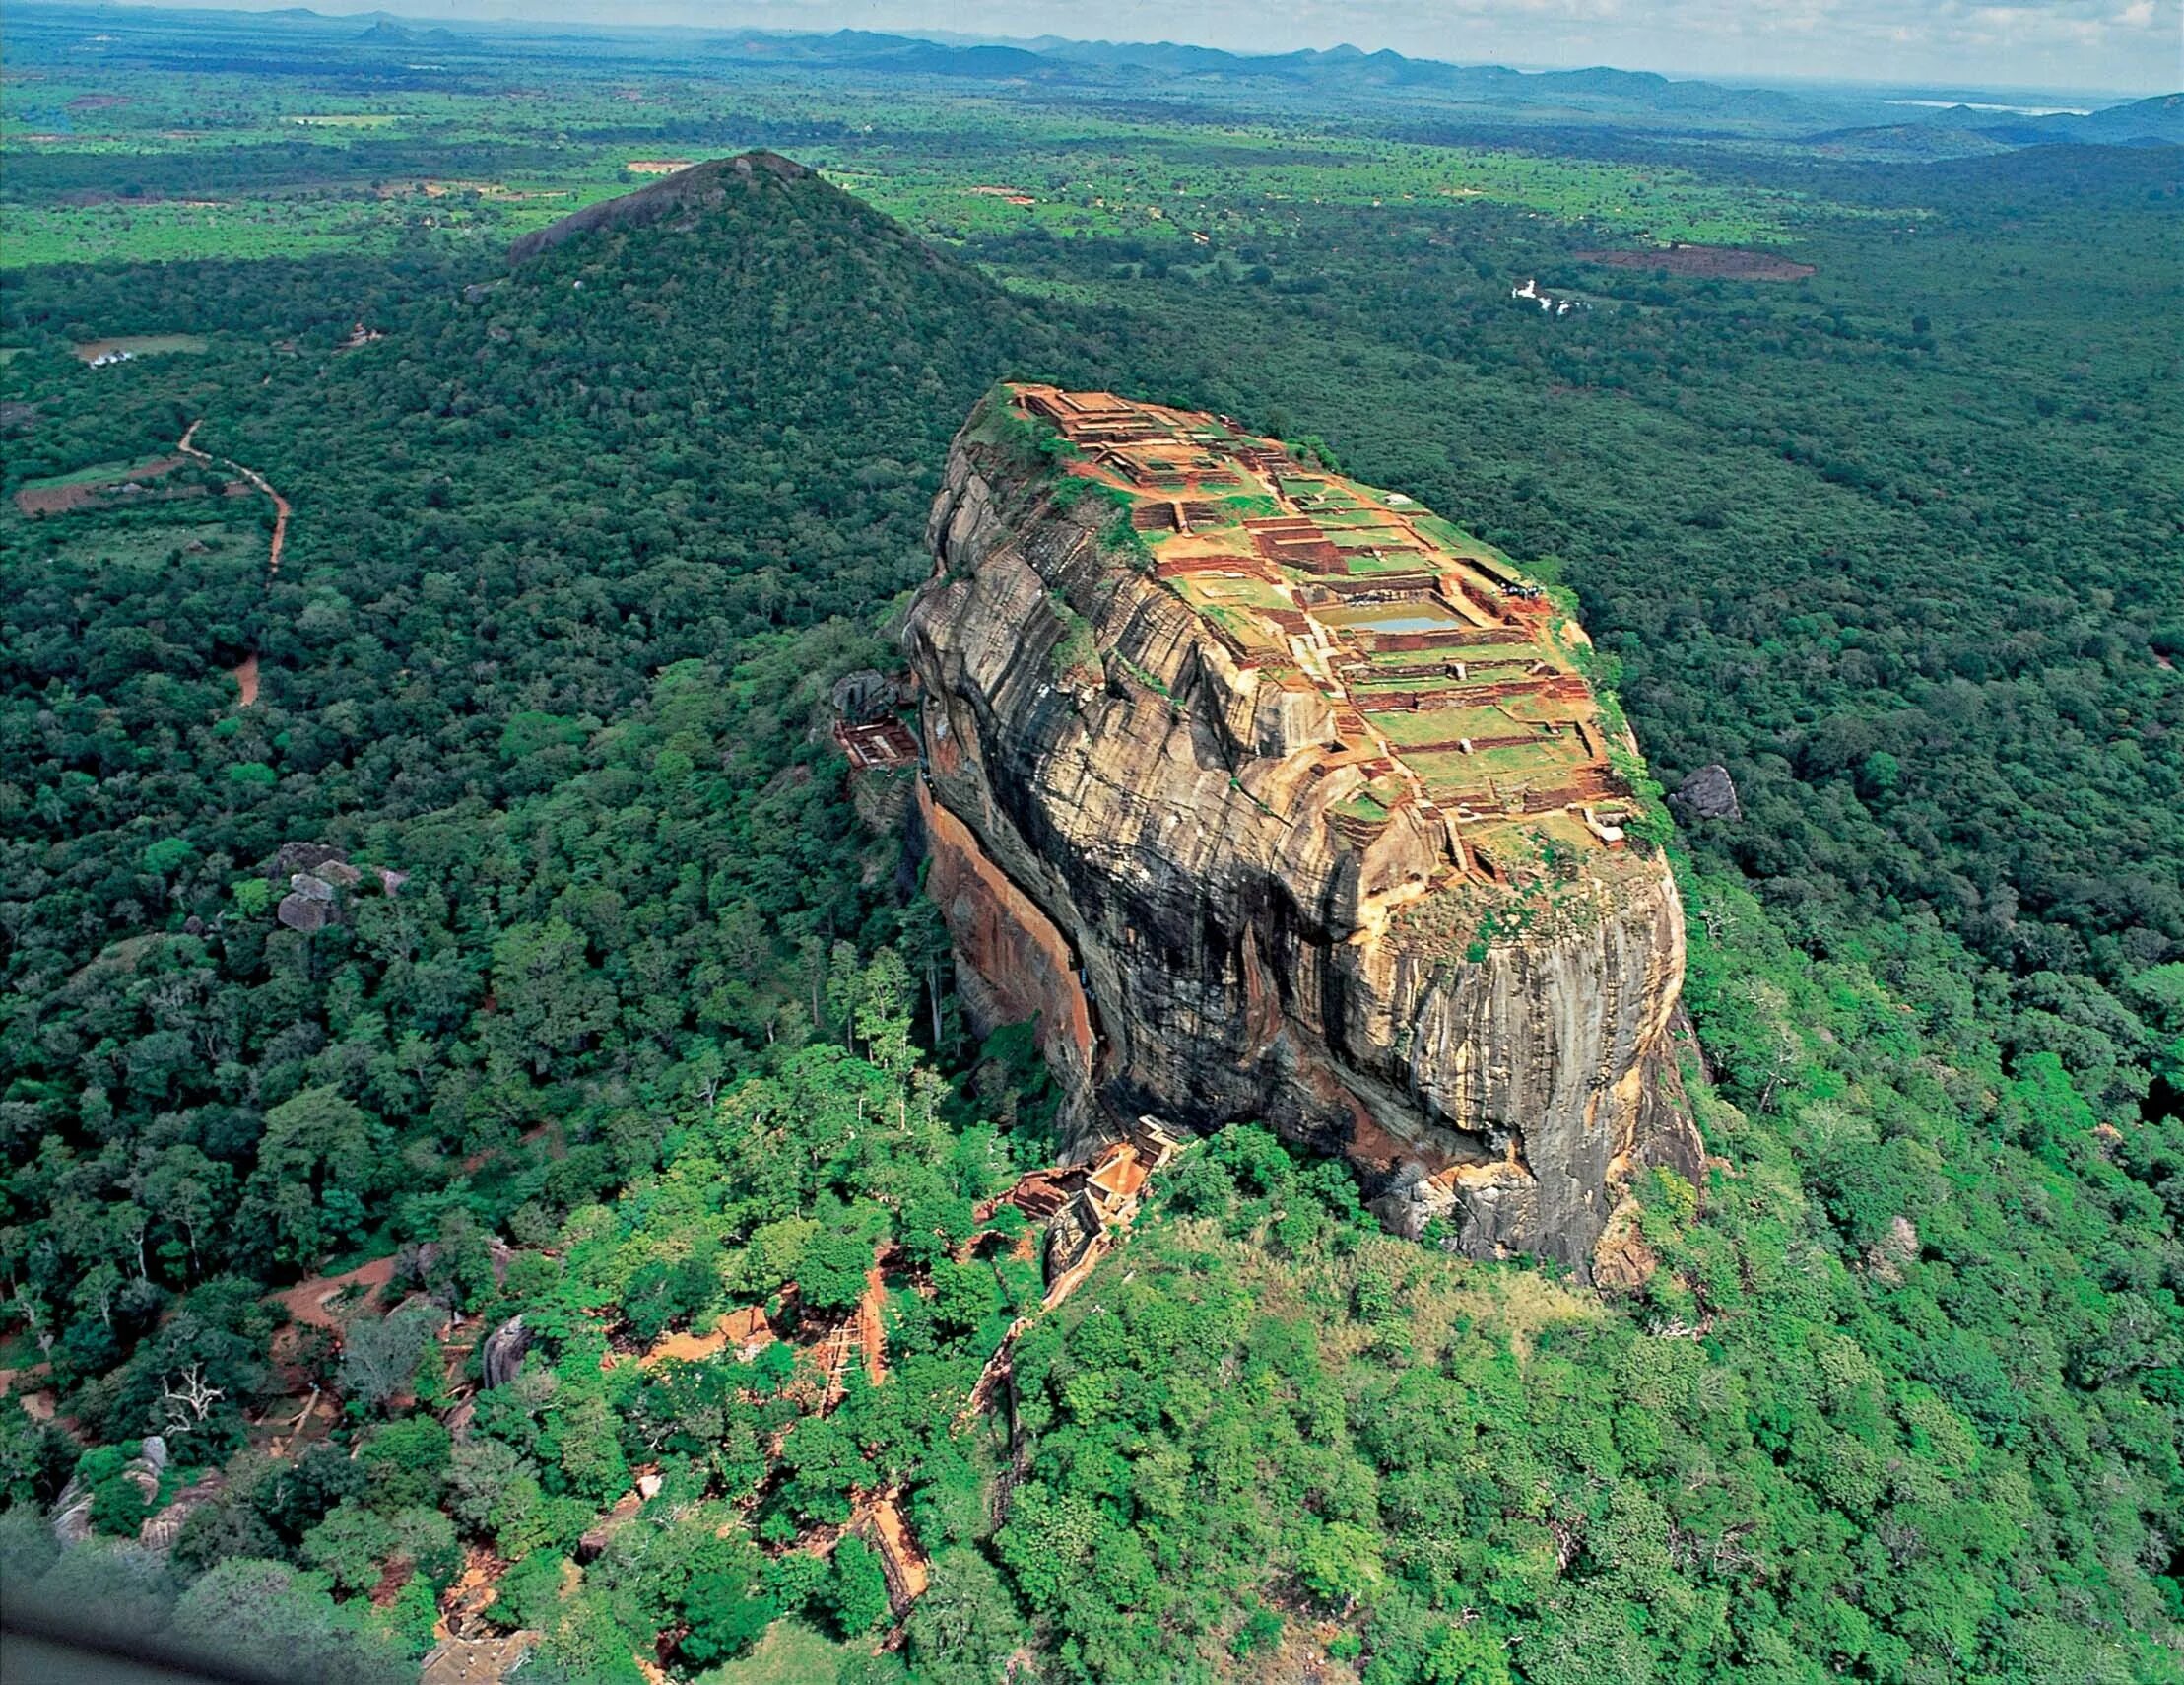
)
(1407, 730)
(142, 546)
(790, 1654)
(1202, 592)
(1442, 1297)
(1549, 759)
(140, 345)
(101, 473)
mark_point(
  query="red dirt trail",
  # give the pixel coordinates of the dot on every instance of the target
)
(280, 504)
(872, 1327)
(246, 675)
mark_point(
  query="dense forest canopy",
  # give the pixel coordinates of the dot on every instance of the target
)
(628, 1016)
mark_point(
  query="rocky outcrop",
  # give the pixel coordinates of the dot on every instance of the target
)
(504, 1351)
(319, 878)
(309, 906)
(1708, 794)
(865, 696)
(159, 1531)
(1156, 847)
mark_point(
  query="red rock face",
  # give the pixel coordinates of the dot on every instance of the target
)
(1022, 960)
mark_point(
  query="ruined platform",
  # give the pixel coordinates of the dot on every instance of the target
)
(1452, 681)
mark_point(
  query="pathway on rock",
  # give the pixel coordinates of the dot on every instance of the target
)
(902, 1559)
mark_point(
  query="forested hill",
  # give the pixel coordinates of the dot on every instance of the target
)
(687, 194)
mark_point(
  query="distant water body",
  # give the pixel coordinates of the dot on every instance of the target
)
(2012, 110)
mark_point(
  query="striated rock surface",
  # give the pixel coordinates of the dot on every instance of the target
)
(1167, 692)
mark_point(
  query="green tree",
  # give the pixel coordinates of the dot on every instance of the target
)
(856, 1591)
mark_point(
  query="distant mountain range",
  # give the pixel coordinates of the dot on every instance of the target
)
(1170, 67)
(1851, 122)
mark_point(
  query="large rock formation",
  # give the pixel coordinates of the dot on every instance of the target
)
(1275, 797)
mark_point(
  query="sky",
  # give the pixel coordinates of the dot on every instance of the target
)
(2118, 46)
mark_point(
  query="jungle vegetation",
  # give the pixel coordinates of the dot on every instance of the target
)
(645, 1024)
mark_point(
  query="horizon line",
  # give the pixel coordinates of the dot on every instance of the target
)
(957, 39)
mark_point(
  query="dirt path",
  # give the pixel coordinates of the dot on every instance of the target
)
(246, 675)
(872, 1313)
(910, 1572)
(280, 504)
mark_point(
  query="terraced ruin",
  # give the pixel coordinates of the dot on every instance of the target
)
(1452, 681)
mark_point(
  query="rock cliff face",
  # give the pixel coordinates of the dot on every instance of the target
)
(1274, 798)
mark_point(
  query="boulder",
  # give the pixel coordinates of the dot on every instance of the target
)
(159, 1531)
(293, 857)
(71, 1513)
(309, 906)
(1707, 794)
(503, 1352)
(865, 696)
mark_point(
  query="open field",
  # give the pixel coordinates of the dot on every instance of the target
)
(88, 487)
(104, 473)
(790, 1654)
(146, 545)
(139, 345)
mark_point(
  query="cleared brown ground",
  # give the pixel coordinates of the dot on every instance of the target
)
(85, 493)
(306, 1301)
(1721, 262)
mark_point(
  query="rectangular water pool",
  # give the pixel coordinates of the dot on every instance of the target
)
(1406, 620)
